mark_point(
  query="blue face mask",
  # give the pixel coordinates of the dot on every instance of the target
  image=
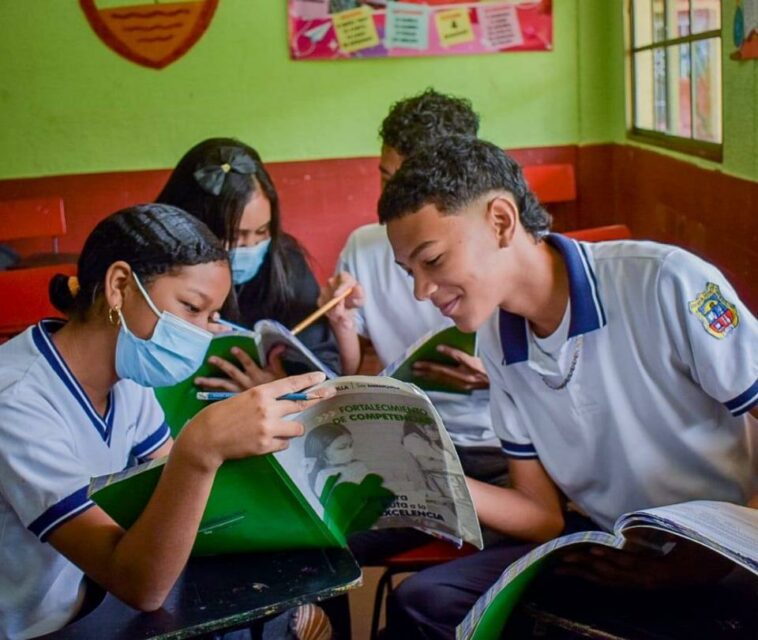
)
(247, 261)
(173, 353)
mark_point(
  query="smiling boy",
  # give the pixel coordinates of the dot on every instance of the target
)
(622, 373)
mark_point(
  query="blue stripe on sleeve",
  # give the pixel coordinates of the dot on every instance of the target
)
(515, 450)
(152, 442)
(60, 513)
(743, 402)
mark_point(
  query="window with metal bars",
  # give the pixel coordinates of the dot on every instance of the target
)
(676, 74)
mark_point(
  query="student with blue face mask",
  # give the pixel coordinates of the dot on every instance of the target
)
(223, 182)
(76, 402)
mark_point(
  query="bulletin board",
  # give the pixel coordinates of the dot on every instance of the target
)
(344, 29)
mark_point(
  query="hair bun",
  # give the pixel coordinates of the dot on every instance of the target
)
(62, 291)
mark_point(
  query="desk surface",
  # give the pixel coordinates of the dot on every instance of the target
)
(224, 593)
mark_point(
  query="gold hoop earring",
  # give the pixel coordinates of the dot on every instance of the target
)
(113, 316)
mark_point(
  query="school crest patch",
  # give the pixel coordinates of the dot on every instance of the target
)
(719, 316)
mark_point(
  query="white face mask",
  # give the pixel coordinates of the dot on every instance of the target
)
(173, 353)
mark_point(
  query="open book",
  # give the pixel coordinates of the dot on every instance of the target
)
(180, 401)
(727, 529)
(267, 334)
(376, 454)
(425, 349)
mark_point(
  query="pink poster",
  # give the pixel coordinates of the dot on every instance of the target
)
(342, 29)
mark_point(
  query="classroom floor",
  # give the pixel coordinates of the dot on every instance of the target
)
(362, 603)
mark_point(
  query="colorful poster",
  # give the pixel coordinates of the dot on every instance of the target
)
(453, 27)
(500, 26)
(355, 30)
(407, 26)
(344, 29)
(310, 9)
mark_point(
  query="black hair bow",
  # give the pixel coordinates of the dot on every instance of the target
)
(211, 177)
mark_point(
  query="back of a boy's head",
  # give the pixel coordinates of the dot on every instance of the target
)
(453, 174)
(427, 118)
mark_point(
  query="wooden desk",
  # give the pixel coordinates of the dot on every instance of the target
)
(222, 593)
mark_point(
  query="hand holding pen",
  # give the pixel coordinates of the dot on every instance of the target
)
(340, 296)
(252, 422)
(210, 396)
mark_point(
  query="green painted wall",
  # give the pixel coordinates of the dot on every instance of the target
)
(740, 107)
(69, 105)
(600, 29)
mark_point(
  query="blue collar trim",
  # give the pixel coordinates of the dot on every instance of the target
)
(41, 336)
(587, 313)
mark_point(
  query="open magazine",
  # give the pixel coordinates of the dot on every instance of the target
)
(376, 454)
(425, 349)
(727, 529)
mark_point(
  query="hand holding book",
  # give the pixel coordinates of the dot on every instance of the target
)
(341, 315)
(467, 374)
(442, 360)
(245, 373)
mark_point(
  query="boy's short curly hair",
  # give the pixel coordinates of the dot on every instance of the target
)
(429, 116)
(453, 174)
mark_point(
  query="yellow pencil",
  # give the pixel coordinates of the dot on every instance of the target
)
(320, 312)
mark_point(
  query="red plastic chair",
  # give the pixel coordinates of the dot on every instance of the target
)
(427, 555)
(598, 234)
(24, 288)
(551, 182)
(32, 218)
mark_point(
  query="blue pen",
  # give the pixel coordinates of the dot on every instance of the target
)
(214, 395)
(294, 396)
(223, 395)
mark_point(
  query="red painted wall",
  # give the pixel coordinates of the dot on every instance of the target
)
(322, 200)
(658, 197)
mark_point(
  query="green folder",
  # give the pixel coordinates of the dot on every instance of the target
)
(254, 505)
(425, 349)
(180, 401)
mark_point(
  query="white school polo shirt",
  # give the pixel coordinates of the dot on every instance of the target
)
(52, 441)
(655, 412)
(393, 320)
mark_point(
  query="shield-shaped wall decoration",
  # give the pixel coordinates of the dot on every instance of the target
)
(153, 34)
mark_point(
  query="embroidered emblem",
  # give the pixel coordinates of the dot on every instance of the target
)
(719, 317)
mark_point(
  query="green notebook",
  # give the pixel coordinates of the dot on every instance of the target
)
(425, 349)
(180, 401)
